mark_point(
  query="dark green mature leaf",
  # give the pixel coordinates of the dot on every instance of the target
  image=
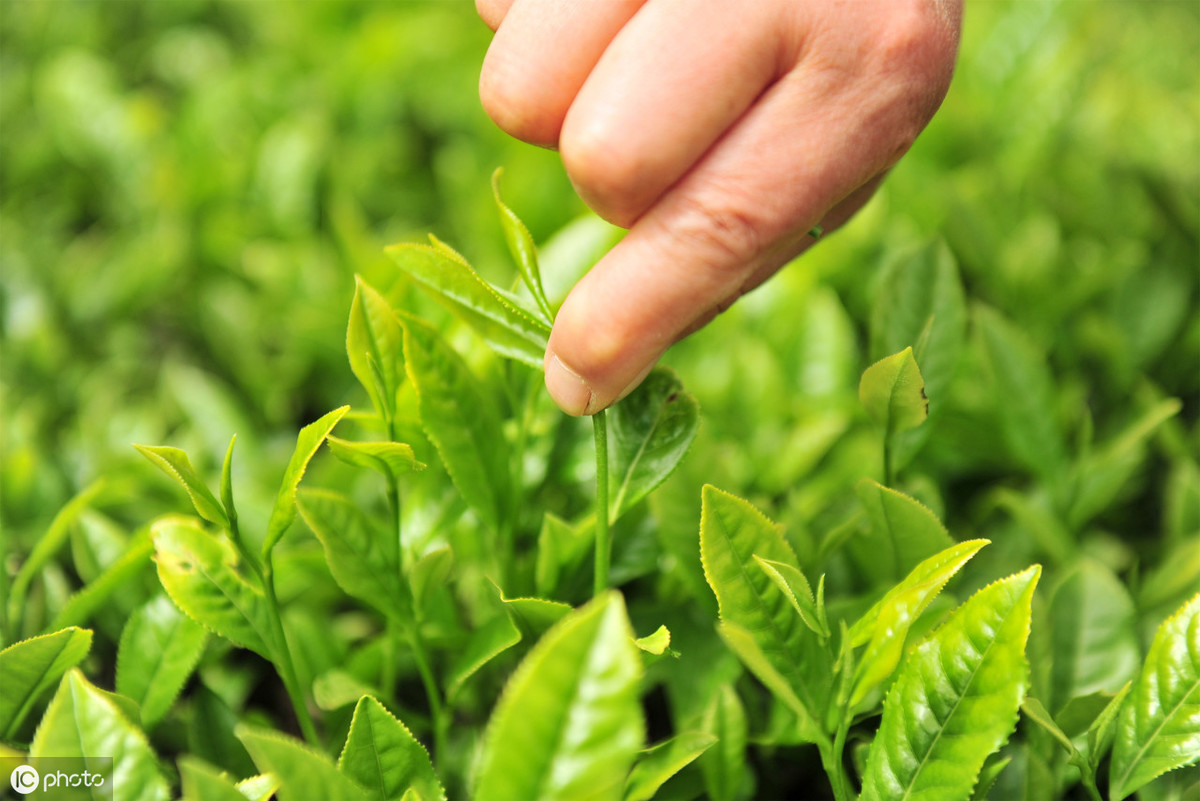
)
(1024, 394)
(1159, 726)
(724, 765)
(732, 534)
(508, 329)
(386, 458)
(461, 420)
(893, 393)
(364, 560)
(30, 667)
(660, 762)
(176, 464)
(956, 699)
(382, 756)
(486, 643)
(202, 782)
(1094, 641)
(82, 723)
(307, 443)
(199, 572)
(304, 774)
(569, 724)
(887, 622)
(374, 344)
(521, 246)
(649, 433)
(159, 648)
(903, 532)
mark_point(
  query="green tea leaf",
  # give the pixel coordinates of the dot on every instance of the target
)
(202, 782)
(893, 393)
(1159, 727)
(522, 248)
(176, 464)
(791, 581)
(656, 643)
(336, 688)
(461, 420)
(1103, 730)
(486, 643)
(199, 572)
(724, 765)
(561, 548)
(508, 329)
(429, 573)
(1094, 641)
(387, 458)
(259, 788)
(885, 626)
(649, 433)
(303, 773)
(987, 777)
(83, 605)
(662, 761)
(307, 443)
(569, 724)
(536, 615)
(382, 756)
(956, 698)
(732, 534)
(226, 488)
(30, 667)
(159, 648)
(903, 533)
(746, 646)
(83, 723)
(364, 560)
(1033, 709)
(374, 344)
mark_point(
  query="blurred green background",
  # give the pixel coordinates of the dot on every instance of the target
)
(188, 188)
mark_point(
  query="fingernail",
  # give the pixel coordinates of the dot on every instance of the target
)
(567, 387)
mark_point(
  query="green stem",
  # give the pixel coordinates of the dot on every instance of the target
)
(837, 773)
(603, 541)
(437, 710)
(283, 657)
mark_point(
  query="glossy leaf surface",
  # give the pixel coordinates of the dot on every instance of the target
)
(386, 458)
(569, 724)
(903, 533)
(307, 443)
(375, 347)
(383, 757)
(1159, 725)
(31, 667)
(304, 774)
(660, 762)
(893, 392)
(159, 648)
(956, 698)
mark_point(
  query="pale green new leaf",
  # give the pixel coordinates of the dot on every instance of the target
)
(662, 761)
(649, 433)
(307, 443)
(202, 782)
(903, 533)
(226, 488)
(956, 698)
(304, 774)
(569, 724)
(83, 723)
(461, 420)
(374, 345)
(791, 581)
(732, 534)
(364, 560)
(508, 329)
(383, 757)
(656, 643)
(199, 572)
(893, 393)
(1103, 730)
(159, 648)
(1159, 726)
(390, 459)
(561, 547)
(30, 667)
(747, 648)
(724, 765)
(259, 788)
(521, 246)
(176, 464)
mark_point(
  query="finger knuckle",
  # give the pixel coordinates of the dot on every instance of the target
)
(515, 102)
(610, 178)
(727, 231)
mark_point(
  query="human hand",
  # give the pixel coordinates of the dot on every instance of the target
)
(719, 132)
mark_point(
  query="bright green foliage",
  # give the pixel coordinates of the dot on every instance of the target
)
(1159, 727)
(83, 605)
(649, 433)
(375, 347)
(569, 724)
(791, 581)
(429, 574)
(32, 666)
(656, 643)
(489, 641)
(386, 458)
(364, 560)
(660, 762)
(159, 648)
(724, 765)
(523, 250)
(176, 464)
(461, 420)
(199, 572)
(303, 773)
(382, 755)
(893, 392)
(82, 723)
(201, 782)
(307, 443)
(902, 533)
(956, 699)
(508, 329)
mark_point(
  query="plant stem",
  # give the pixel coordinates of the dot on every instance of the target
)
(603, 541)
(283, 656)
(837, 777)
(436, 709)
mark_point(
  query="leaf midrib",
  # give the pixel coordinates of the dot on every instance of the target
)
(620, 496)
